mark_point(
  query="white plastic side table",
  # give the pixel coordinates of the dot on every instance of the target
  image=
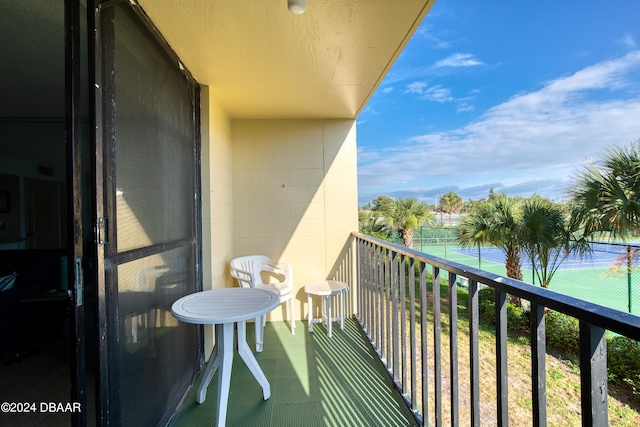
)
(326, 289)
(223, 308)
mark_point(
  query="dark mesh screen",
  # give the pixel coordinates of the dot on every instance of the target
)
(155, 141)
(155, 176)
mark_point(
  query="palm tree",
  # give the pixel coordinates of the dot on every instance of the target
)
(451, 203)
(547, 238)
(405, 215)
(496, 222)
(474, 228)
(371, 222)
(606, 195)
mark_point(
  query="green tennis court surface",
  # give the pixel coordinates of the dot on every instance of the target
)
(602, 282)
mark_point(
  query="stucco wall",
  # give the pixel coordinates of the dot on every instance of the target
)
(283, 188)
(217, 199)
(217, 193)
(294, 195)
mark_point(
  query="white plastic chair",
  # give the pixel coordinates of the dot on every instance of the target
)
(249, 270)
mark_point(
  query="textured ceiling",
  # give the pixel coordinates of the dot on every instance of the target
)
(261, 61)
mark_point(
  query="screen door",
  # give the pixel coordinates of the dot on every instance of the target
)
(147, 218)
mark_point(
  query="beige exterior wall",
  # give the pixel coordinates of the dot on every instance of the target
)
(217, 198)
(217, 193)
(283, 188)
(295, 195)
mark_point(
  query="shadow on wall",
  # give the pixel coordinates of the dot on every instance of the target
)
(294, 192)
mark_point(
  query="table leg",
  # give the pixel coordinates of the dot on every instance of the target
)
(341, 310)
(245, 352)
(224, 333)
(329, 318)
(259, 323)
(212, 365)
(310, 301)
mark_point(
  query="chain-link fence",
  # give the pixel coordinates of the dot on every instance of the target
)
(606, 276)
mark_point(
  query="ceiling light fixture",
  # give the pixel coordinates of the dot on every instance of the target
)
(297, 7)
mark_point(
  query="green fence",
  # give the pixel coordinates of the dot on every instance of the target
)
(429, 236)
(612, 283)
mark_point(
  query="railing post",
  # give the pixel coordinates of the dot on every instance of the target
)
(387, 293)
(395, 350)
(403, 324)
(361, 280)
(378, 280)
(501, 362)
(629, 287)
(437, 346)
(453, 346)
(593, 375)
(412, 333)
(474, 362)
(538, 365)
(423, 337)
(371, 268)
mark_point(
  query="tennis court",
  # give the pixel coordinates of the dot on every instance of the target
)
(600, 277)
(602, 256)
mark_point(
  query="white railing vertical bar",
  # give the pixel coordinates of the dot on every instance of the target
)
(403, 327)
(378, 278)
(366, 290)
(387, 310)
(412, 333)
(474, 362)
(395, 332)
(370, 318)
(453, 348)
(437, 347)
(379, 300)
(424, 360)
(502, 389)
(363, 267)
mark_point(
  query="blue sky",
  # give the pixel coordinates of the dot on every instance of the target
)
(500, 94)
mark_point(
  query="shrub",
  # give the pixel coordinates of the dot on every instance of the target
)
(563, 333)
(517, 318)
(487, 303)
(623, 354)
(623, 360)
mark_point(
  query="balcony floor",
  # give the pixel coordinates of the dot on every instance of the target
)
(315, 381)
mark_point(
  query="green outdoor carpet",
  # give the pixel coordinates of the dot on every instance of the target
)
(315, 381)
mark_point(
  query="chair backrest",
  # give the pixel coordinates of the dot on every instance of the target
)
(247, 270)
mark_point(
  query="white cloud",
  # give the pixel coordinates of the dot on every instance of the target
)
(428, 33)
(535, 138)
(435, 93)
(438, 94)
(458, 60)
(387, 90)
(416, 87)
(627, 41)
(463, 107)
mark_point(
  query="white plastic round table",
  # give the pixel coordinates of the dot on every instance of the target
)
(223, 308)
(326, 289)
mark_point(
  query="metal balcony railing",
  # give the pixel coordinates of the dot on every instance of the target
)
(393, 300)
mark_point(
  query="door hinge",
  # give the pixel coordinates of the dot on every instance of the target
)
(78, 281)
(101, 231)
